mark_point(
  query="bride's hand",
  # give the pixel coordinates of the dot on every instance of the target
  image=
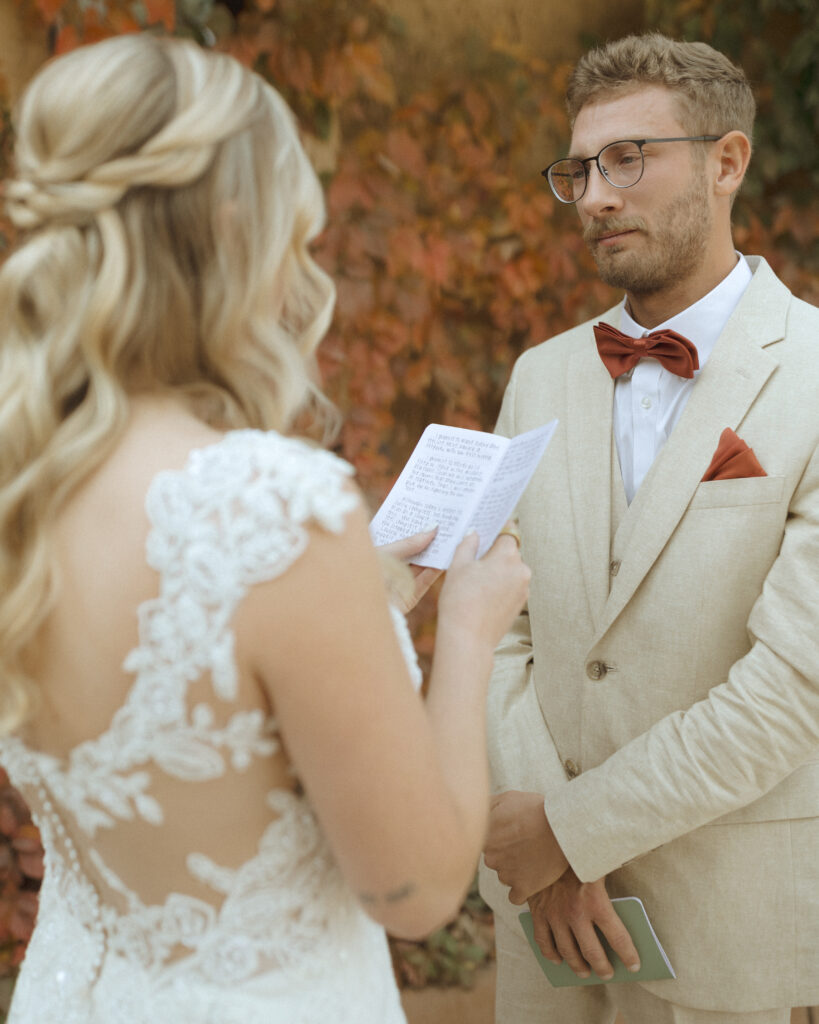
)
(407, 597)
(481, 597)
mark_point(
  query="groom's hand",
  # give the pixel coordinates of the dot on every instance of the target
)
(521, 846)
(564, 918)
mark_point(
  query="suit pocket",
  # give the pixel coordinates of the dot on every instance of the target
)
(753, 490)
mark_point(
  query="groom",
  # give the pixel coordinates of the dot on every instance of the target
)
(654, 718)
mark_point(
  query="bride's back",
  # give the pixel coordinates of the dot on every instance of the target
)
(99, 545)
(77, 663)
(188, 876)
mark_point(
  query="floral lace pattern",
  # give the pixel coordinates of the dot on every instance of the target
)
(283, 938)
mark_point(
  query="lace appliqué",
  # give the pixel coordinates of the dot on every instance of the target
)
(236, 515)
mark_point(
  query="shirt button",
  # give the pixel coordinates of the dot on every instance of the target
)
(596, 670)
(614, 567)
(572, 768)
(645, 401)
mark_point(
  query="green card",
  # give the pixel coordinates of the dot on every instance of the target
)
(654, 964)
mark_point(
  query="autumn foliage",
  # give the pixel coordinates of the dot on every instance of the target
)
(449, 253)
(21, 870)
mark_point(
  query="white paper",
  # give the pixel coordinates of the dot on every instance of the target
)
(459, 479)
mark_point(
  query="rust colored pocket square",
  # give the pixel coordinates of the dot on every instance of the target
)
(733, 459)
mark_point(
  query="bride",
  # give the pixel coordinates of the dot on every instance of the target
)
(204, 693)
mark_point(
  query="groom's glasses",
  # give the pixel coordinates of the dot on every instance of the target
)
(621, 164)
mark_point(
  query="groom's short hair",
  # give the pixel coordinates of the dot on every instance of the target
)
(713, 94)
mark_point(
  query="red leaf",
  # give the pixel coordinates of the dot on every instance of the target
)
(406, 251)
(354, 297)
(413, 305)
(346, 192)
(406, 153)
(437, 260)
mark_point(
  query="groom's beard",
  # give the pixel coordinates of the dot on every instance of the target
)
(665, 254)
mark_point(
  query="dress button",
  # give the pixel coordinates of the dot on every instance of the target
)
(596, 670)
(645, 401)
(614, 567)
(572, 768)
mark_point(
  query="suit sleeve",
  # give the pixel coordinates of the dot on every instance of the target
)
(726, 751)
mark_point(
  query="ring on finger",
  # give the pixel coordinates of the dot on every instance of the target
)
(511, 530)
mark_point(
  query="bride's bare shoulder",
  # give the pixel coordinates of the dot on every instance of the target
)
(99, 543)
(160, 435)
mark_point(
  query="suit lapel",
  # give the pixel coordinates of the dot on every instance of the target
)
(732, 378)
(588, 432)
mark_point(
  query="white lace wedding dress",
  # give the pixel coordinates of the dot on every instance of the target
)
(280, 938)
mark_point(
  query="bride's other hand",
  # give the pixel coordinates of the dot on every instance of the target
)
(482, 596)
(407, 589)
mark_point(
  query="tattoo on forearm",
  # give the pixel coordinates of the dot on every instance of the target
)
(403, 892)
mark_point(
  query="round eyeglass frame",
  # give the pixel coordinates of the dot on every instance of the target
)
(584, 162)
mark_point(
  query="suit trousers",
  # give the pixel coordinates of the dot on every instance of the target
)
(524, 996)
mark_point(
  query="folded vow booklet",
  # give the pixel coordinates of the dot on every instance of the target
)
(460, 480)
(654, 964)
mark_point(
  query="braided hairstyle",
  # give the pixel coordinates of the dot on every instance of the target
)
(166, 207)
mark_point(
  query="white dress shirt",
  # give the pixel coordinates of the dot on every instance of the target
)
(649, 400)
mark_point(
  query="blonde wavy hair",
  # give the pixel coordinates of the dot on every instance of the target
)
(166, 207)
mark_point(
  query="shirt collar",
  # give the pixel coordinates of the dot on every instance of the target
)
(703, 322)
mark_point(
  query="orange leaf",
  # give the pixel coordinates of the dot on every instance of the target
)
(417, 378)
(67, 39)
(478, 107)
(49, 9)
(121, 22)
(366, 63)
(379, 85)
(297, 66)
(161, 12)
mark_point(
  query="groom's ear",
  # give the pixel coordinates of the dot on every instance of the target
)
(731, 156)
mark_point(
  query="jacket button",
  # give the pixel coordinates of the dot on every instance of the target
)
(572, 768)
(596, 670)
(614, 567)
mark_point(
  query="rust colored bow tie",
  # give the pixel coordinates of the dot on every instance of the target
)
(620, 353)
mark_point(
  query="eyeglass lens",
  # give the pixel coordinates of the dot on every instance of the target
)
(621, 164)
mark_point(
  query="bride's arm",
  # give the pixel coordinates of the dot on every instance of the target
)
(400, 787)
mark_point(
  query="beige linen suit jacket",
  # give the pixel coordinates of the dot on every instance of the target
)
(662, 691)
